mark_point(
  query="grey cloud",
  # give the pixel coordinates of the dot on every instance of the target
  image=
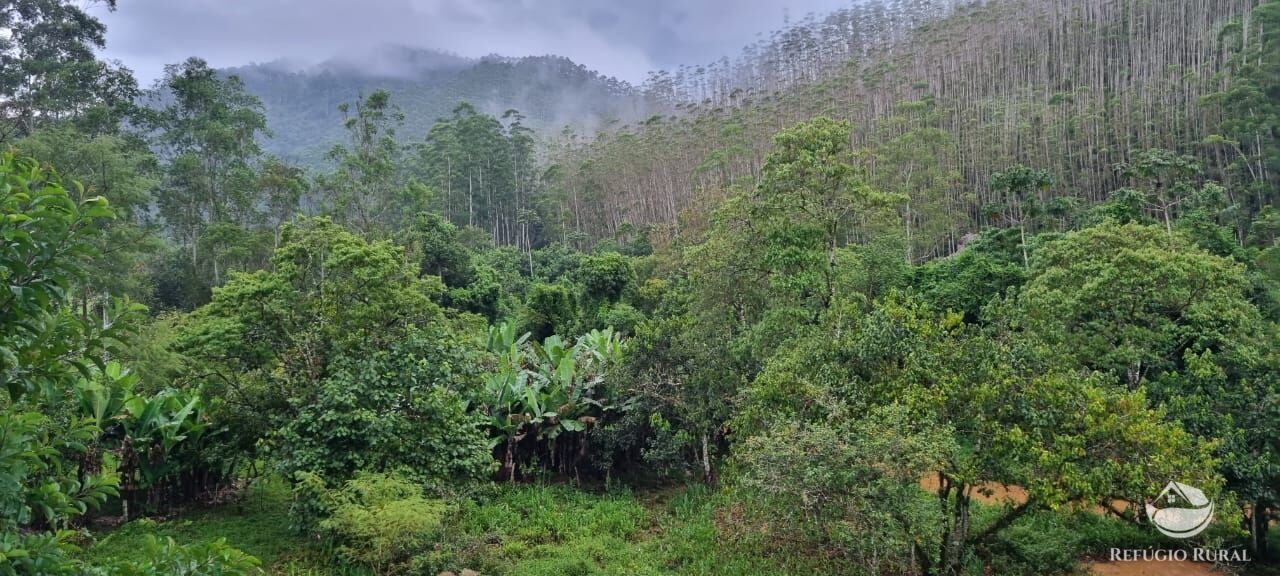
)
(622, 38)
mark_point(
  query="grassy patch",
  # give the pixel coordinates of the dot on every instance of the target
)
(537, 530)
(525, 530)
(709, 533)
(257, 525)
(554, 530)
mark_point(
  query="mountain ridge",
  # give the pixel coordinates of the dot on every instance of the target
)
(301, 101)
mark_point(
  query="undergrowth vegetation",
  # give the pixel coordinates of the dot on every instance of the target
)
(554, 530)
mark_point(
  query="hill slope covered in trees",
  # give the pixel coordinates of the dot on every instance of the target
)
(302, 104)
(943, 94)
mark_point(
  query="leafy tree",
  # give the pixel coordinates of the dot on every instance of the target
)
(1021, 190)
(433, 241)
(1250, 132)
(1166, 178)
(523, 151)
(1208, 220)
(508, 266)
(1023, 420)
(851, 484)
(605, 277)
(1132, 300)
(282, 187)
(44, 233)
(685, 374)
(122, 170)
(1171, 319)
(1125, 206)
(368, 190)
(486, 295)
(549, 309)
(205, 129)
(46, 236)
(808, 193)
(971, 278)
(400, 408)
(553, 262)
(1265, 229)
(776, 260)
(621, 317)
(603, 280)
(268, 339)
(1236, 403)
(49, 71)
(483, 171)
(912, 162)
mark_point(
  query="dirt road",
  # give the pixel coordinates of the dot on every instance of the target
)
(1151, 569)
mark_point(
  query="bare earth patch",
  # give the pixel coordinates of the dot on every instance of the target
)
(1151, 569)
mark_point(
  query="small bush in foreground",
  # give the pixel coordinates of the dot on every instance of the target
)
(380, 521)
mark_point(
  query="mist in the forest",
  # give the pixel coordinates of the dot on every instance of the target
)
(619, 38)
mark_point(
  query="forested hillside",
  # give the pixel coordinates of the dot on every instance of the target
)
(302, 104)
(942, 95)
(912, 289)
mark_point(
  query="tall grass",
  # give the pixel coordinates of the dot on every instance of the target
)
(556, 530)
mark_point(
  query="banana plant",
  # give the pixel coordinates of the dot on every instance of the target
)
(547, 389)
(506, 424)
(504, 342)
(602, 346)
(143, 431)
(157, 425)
(103, 398)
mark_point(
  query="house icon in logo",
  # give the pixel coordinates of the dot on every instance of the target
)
(1180, 511)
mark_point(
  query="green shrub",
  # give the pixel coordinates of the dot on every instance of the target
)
(433, 242)
(606, 276)
(311, 504)
(168, 558)
(550, 309)
(1040, 543)
(622, 317)
(556, 261)
(667, 450)
(391, 409)
(379, 521)
(549, 530)
(852, 487)
(649, 295)
(483, 296)
(1098, 534)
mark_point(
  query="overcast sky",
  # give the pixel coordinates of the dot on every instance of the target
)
(622, 38)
